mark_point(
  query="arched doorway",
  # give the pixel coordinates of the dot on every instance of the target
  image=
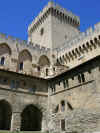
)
(31, 118)
(5, 115)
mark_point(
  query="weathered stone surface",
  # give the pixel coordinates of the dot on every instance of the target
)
(83, 121)
(56, 74)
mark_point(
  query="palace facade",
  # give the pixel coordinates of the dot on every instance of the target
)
(52, 81)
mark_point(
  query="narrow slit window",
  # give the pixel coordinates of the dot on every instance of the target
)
(2, 61)
(42, 31)
(63, 125)
(46, 71)
(83, 78)
(21, 66)
(63, 106)
(79, 79)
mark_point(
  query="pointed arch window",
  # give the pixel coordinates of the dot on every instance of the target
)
(2, 61)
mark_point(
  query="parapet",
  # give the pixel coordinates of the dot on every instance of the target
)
(56, 10)
(74, 42)
(24, 43)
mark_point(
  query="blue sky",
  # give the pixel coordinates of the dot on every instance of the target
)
(16, 15)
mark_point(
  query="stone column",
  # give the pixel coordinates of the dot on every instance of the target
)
(15, 121)
(44, 125)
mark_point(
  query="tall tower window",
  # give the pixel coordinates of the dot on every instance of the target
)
(42, 31)
(2, 61)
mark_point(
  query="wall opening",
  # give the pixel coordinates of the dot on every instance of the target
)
(5, 115)
(21, 66)
(31, 119)
(63, 124)
(2, 61)
(24, 60)
(44, 61)
(62, 105)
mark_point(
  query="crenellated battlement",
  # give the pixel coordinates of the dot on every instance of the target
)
(78, 40)
(49, 53)
(81, 48)
(56, 10)
(24, 43)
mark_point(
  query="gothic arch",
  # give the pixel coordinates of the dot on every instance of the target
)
(5, 53)
(43, 61)
(4, 48)
(5, 115)
(24, 59)
(31, 118)
(24, 55)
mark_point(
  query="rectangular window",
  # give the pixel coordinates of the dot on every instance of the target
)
(17, 84)
(2, 61)
(21, 66)
(65, 83)
(12, 84)
(83, 78)
(63, 125)
(79, 78)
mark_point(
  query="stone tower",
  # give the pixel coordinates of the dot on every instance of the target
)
(53, 26)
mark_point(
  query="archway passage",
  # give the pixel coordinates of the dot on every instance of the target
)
(5, 115)
(31, 118)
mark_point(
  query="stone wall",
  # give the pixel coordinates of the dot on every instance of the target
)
(83, 121)
(79, 92)
(29, 91)
(62, 31)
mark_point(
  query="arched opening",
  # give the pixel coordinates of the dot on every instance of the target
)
(31, 118)
(5, 53)
(95, 40)
(4, 49)
(5, 115)
(44, 61)
(24, 60)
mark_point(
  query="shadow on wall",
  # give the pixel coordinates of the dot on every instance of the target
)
(31, 119)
